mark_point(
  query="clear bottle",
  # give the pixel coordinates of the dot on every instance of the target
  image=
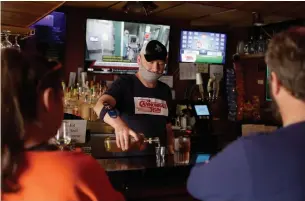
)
(111, 146)
(251, 45)
(261, 45)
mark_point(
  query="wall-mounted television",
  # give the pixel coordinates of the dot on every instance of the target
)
(113, 46)
(203, 47)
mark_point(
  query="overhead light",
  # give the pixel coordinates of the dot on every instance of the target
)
(139, 7)
(257, 19)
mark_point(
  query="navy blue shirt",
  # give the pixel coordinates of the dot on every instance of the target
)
(262, 167)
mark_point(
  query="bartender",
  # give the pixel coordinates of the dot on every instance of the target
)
(140, 103)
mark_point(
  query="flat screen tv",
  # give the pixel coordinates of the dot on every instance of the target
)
(203, 47)
(113, 46)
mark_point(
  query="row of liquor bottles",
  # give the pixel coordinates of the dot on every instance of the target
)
(79, 99)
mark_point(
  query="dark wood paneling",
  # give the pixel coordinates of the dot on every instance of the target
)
(190, 11)
(207, 10)
(91, 4)
(24, 14)
(283, 8)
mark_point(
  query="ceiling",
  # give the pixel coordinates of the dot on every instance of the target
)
(212, 13)
(17, 16)
(22, 14)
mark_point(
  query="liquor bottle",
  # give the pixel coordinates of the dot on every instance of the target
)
(63, 86)
(92, 103)
(251, 45)
(261, 44)
(85, 109)
(111, 146)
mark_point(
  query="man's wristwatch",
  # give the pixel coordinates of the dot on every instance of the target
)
(108, 109)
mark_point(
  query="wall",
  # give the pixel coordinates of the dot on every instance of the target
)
(255, 69)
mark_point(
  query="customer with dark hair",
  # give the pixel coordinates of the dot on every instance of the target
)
(31, 113)
(265, 167)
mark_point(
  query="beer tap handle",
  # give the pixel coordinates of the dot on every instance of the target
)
(156, 140)
(217, 91)
(211, 88)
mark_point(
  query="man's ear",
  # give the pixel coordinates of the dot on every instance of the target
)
(48, 98)
(275, 84)
(166, 61)
(139, 60)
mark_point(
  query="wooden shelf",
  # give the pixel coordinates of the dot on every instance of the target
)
(18, 30)
(252, 56)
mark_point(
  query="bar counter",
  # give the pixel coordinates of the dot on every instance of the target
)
(140, 163)
(144, 178)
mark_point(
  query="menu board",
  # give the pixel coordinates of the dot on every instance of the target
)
(203, 47)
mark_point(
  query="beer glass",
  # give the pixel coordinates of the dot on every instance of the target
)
(63, 137)
(182, 147)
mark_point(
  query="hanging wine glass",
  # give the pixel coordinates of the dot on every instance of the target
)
(6, 43)
(16, 45)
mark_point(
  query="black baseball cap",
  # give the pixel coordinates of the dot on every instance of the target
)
(154, 50)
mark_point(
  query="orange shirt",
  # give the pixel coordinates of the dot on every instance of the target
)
(63, 176)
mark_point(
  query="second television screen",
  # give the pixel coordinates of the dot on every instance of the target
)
(113, 46)
(203, 47)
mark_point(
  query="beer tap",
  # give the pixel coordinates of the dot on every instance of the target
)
(217, 87)
(210, 88)
(213, 88)
(199, 82)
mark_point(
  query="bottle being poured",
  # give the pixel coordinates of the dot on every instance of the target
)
(140, 145)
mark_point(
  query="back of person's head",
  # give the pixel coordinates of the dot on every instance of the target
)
(286, 58)
(31, 94)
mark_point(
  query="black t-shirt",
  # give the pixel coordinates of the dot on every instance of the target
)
(145, 110)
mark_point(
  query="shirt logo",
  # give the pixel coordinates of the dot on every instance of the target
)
(151, 106)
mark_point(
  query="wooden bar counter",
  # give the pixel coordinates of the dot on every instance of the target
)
(144, 178)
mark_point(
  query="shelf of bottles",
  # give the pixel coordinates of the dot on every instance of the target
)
(254, 48)
(80, 100)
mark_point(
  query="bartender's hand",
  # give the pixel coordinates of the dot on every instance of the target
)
(122, 131)
(122, 134)
(171, 149)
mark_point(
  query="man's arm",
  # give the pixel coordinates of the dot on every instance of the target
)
(225, 177)
(122, 131)
(114, 122)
